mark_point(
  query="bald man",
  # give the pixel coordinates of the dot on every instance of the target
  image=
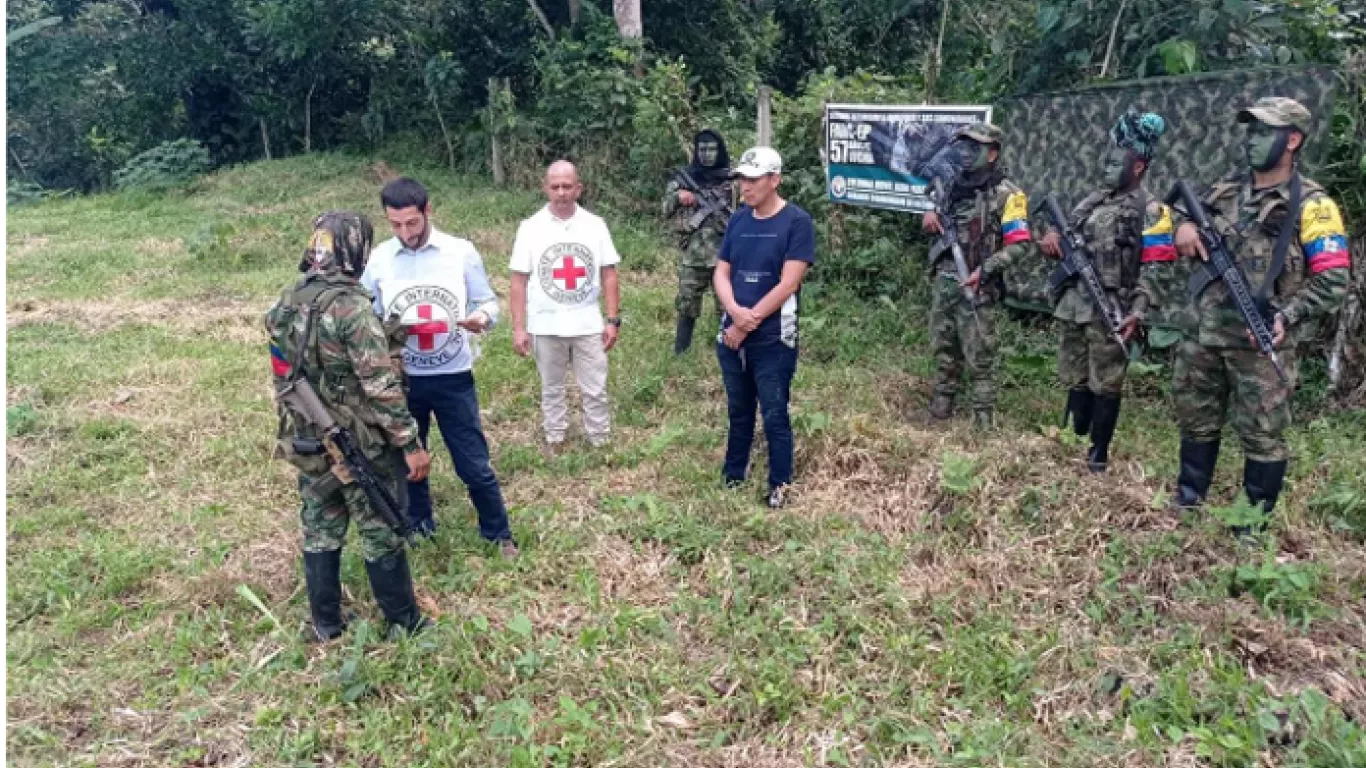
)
(563, 262)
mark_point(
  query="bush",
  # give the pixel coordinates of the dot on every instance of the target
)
(166, 165)
(875, 253)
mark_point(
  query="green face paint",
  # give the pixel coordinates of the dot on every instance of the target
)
(1116, 165)
(1264, 145)
(983, 158)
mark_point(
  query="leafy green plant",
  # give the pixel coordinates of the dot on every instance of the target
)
(166, 165)
(1290, 589)
(1343, 506)
(958, 474)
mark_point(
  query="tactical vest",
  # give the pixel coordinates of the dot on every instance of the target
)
(340, 393)
(1260, 230)
(1113, 231)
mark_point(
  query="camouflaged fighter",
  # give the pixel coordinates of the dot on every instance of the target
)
(324, 332)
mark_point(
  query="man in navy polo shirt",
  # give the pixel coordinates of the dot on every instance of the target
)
(433, 285)
(768, 247)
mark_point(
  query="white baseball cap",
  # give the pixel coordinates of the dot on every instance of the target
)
(758, 162)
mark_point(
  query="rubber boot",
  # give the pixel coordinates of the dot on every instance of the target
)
(1104, 417)
(392, 584)
(941, 407)
(1080, 406)
(1197, 471)
(1262, 482)
(983, 419)
(322, 576)
(683, 334)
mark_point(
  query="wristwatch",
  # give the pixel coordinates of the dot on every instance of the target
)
(616, 321)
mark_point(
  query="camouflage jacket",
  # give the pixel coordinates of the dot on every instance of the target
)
(1316, 274)
(349, 361)
(993, 227)
(1125, 234)
(701, 245)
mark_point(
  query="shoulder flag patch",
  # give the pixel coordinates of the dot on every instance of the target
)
(1015, 219)
(1323, 236)
(1157, 239)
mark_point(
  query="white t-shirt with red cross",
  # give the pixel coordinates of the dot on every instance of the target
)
(564, 259)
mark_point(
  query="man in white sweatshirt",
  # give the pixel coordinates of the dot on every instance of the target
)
(434, 285)
(563, 261)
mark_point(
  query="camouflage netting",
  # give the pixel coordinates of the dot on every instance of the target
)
(1055, 143)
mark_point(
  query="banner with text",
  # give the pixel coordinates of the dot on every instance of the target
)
(883, 156)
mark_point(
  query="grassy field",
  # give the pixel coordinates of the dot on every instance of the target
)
(931, 598)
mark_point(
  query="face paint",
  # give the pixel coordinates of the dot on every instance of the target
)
(1265, 144)
(981, 159)
(707, 151)
(1117, 167)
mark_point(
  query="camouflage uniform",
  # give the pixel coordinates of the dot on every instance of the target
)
(698, 246)
(1125, 231)
(1219, 373)
(350, 362)
(994, 231)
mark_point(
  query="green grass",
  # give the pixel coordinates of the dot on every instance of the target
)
(930, 598)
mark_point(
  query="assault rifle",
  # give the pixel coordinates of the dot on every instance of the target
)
(1077, 265)
(948, 241)
(1222, 266)
(711, 201)
(349, 462)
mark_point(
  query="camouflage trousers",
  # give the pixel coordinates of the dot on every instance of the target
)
(694, 283)
(957, 338)
(1088, 357)
(325, 520)
(1212, 385)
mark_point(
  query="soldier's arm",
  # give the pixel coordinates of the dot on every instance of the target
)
(356, 335)
(1157, 260)
(671, 203)
(1324, 239)
(1015, 237)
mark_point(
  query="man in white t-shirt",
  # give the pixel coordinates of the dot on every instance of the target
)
(432, 285)
(563, 260)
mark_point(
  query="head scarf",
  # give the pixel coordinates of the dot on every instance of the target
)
(1139, 132)
(718, 171)
(340, 243)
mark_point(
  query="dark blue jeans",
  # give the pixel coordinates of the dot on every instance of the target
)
(763, 375)
(454, 401)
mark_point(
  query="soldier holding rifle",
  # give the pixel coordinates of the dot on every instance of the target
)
(344, 425)
(1276, 265)
(698, 201)
(1111, 234)
(990, 215)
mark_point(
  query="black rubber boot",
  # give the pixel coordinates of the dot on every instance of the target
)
(322, 576)
(1197, 471)
(683, 334)
(1080, 406)
(1263, 480)
(941, 407)
(1104, 417)
(392, 584)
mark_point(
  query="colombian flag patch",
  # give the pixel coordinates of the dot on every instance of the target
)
(1157, 239)
(1323, 236)
(1015, 219)
(278, 363)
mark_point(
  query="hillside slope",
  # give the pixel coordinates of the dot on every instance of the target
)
(931, 598)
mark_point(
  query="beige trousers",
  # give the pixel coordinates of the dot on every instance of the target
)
(555, 356)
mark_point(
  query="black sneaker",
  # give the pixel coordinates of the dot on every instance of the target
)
(731, 483)
(777, 496)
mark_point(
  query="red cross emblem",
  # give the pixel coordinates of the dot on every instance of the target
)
(570, 273)
(427, 330)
